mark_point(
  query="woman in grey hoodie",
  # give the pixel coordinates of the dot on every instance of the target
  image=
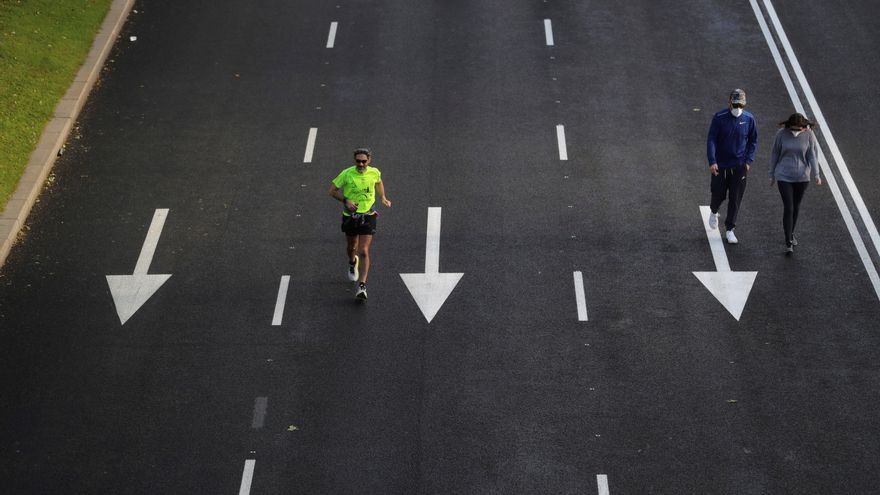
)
(794, 161)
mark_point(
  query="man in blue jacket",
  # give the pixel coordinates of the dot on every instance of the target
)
(730, 149)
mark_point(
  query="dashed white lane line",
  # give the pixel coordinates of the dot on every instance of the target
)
(310, 145)
(548, 32)
(261, 405)
(331, 38)
(282, 298)
(560, 139)
(602, 481)
(247, 477)
(579, 296)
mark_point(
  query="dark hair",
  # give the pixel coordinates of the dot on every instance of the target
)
(797, 120)
(362, 151)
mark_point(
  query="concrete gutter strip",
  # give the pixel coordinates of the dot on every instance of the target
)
(56, 132)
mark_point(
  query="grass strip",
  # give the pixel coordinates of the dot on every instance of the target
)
(42, 45)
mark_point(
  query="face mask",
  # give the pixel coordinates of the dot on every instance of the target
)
(736, 111)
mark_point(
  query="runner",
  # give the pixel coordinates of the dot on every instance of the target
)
(356, 187)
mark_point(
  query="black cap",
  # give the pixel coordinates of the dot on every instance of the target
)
(738, 97)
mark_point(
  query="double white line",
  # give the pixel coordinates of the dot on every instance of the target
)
(825, 131)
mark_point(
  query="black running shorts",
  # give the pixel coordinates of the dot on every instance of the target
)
(359, 224)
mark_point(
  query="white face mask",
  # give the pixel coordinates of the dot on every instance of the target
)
(736, 111)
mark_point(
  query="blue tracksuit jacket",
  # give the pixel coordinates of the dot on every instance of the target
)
(732, 140)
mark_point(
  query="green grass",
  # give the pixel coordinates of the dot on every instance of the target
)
(42, 45)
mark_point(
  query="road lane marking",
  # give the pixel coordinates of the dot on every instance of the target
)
(149, 248)
(310, 145)
(331, 37)
(602, 482)
(261, 405)
(825, 129)
(432, 240)
(560, 139)
(848, 219)
(130, 292)
(431, 288)
(279, 302)
(548, 32)
(579, 296)
(247, 477)
(730, 288)
(719, 256)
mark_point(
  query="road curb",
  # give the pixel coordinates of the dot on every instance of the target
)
(56, 131)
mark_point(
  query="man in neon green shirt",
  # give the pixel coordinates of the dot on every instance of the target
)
(356, 188)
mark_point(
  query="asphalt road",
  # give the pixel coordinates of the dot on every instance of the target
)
(661, 390)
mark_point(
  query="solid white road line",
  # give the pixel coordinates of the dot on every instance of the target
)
(149, 248)
(560, 139)
(824, 129)
(432, 242)
(826, 169)
(548, 32)
(247, 477)
(715, 242)
(310, 145)
(579, 296)
(789, 85)
(331, 38)
(279, 303)
(261, 405)
(602, 482)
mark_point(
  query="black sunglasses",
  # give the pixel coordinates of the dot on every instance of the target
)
(360, 161)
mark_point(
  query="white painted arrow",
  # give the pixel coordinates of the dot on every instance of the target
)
(430, 289)
(130, 292)
(730, 288)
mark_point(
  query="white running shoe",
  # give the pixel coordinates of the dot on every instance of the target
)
(731, 238)
(713, 221)
(793, 239)
(353, 269)
(361, 292)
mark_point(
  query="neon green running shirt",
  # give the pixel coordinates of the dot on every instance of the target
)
(359, 188)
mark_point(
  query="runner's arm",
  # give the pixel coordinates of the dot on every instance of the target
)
(380, 188)
(336, 193)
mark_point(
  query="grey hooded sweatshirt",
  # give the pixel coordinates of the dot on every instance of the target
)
(794, 158)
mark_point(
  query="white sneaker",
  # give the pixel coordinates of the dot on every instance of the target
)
(713, 221)
(353, 269)
(731, 238)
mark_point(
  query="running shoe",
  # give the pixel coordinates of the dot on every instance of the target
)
(731, 238)
(361, 292)
(353, 269)
(789, 248)
(713, 221)
(793, 239)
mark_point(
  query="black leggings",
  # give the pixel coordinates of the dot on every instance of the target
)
(792, 193)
